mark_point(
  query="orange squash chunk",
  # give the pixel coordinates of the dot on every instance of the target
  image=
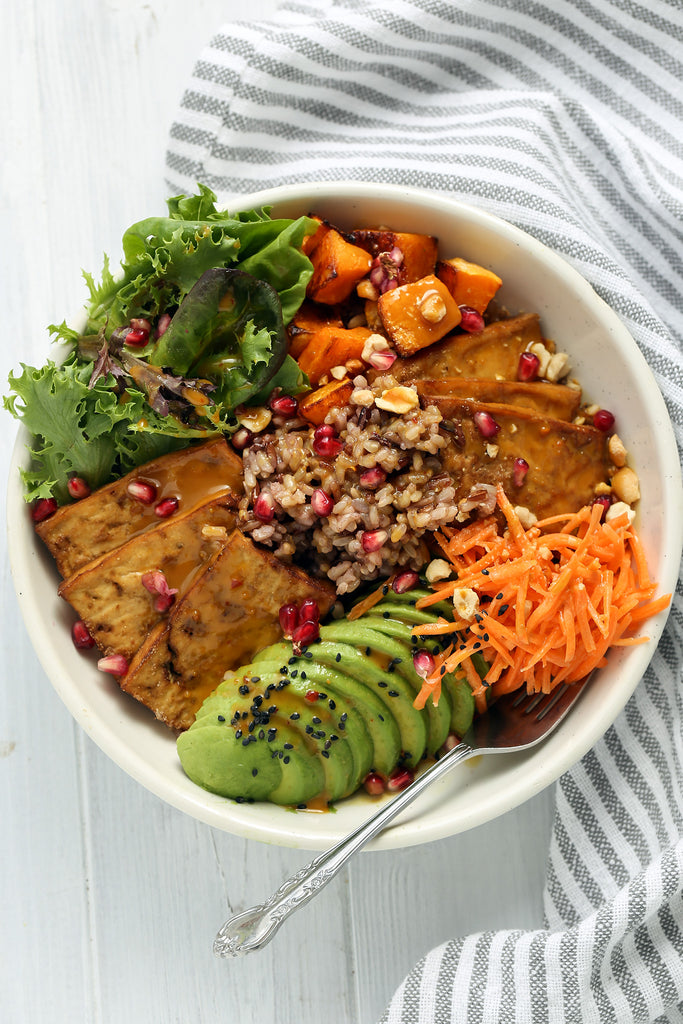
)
(418, 314)
(468, 283)
(338, 266)
(419, 251)
(306, 321)
(332, 346)
(315, 406)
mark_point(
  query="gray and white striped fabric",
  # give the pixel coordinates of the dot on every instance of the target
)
(566, 118)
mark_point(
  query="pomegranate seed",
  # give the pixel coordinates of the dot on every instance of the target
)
(400, 779)
(603, 500)
(405, 581)
(304, 635)
(528, 366)
(115, 664)
(470, 320)
(603, 420)
(80, 636)
(142, 491)
(383, 360)
(166, 507)
(43, 509)
(372, 540)
(156, 583)
(324, 430)
(264, 507)
(289, 619)
(424, 663)
(284, 405)
(77, 487)
(372, 478)
(162, 325)
(242, 438)
(311, 696)
(309, 611)
(321, 503)
(137, 338)
(485, 424)
(326, 445)
(519, 471)
(139, 323)
(373, 783)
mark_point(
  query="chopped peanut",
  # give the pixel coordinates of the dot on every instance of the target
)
(625, 485)
(617, 450)
(432, 308)
(399, 400)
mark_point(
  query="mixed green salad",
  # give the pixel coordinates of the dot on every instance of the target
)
(192, 327)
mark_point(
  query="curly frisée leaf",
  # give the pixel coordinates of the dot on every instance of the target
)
(77, 429)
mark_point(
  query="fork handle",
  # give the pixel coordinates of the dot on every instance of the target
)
(252, 929)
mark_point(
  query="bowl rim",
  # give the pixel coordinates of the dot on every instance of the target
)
(241, 820)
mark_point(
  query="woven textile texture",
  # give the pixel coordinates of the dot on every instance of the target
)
(566, 118)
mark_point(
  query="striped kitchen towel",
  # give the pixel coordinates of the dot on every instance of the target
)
(564, 117)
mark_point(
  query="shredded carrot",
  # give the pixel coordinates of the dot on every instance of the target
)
(552, 599)
(370, 600)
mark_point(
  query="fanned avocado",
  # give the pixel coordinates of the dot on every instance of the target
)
(306, 729)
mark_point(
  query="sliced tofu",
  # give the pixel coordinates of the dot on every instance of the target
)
(76, 534)
(491, 354)
(555, 400)
(230, 612)
(566, 461)
(108, 593)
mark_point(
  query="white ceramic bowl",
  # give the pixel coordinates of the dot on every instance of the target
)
(613, 373)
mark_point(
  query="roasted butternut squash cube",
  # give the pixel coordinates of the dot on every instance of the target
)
(332, 346)
(468, 283)
(315, 406)
(416, 315)
(338, 266)
(308, 319)
(419, 251)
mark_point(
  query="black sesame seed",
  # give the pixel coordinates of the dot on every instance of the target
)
(382, 683)
(486, 637)
(221, 718)
(254, 772)
(333, 737)
(258, 700)
(307, 654)
(319, 735)
(367, 652)
(385, 589)
(294, 673)
(316, 720)
(245, 742)
(436, 649)
(239, 799)
(325, 753)
(292, 661)
(442, 670)
(476, 646)
(285, 759)
(309, 729)
(499, 597)
(331, 705)
(261, 734)
(301, 807)
(251, 726)
(386, 615)
(341, 725)
(381, 718)
(393, 693)
(256, 679)
(272, 709)
(503, 608)
(284, 670)
(337, 656)
(322, 696)
(484, 572)
(238, 734)
(288, 746)
(303, 675)
(343, 717)
(244, 689)
(294, 715)
(328, 744)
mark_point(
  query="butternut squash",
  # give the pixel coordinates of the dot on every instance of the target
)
(332, 346)
(304, 324)
(338, 266)
(419, 251)
(468, 283)
(315, 406)
(418, 314)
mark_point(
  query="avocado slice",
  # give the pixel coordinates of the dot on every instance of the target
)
(222, 758)
(379, 720)
(336, 713)
(363, 634)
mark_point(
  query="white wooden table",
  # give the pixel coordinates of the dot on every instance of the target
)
(109, 899)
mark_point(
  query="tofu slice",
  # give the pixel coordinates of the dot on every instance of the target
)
(491, 354)
(108, 593)
(228, 614)
(555, 400)
(566, 461)
(76, 534)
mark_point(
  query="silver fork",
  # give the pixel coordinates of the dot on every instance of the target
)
(514, 722)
